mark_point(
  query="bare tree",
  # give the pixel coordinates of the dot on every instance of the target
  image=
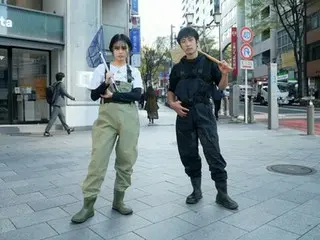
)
(291, 16)
(154, 58)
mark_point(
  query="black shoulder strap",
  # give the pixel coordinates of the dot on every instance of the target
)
(200, 65)
(129, 74)
(182, 72)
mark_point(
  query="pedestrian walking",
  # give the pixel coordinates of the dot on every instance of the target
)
(151, 105)
(58, 102)
(217, 96)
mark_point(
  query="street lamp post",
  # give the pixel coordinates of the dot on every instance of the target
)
(189, 17)
(217, 20)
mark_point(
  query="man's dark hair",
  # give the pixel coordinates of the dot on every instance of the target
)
(120, 37)
(187, 32)
(60, 76)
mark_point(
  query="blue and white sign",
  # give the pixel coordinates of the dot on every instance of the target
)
(136, 60)
(134, 7)
(246, 51)
(135, 40)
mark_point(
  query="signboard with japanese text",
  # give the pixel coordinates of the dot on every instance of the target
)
(135, 40)
(134, 7)
(246, 64)
(234, 51)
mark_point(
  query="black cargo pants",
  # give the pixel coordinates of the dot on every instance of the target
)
(200, 124)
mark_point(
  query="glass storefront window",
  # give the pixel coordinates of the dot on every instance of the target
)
(30, 77)
(4, 103)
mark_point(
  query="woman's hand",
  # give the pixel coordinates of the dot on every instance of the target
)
(107, 95)
(108, 77)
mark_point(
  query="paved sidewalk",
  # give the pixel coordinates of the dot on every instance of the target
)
(40, 182)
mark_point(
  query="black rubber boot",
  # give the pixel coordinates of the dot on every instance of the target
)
(196, 195)
(118, 204)
(223, 197)
(86, 212)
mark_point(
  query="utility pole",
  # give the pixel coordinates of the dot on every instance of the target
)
(171, 37)
(305, 29)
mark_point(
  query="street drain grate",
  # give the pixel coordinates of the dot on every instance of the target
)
(291, 169)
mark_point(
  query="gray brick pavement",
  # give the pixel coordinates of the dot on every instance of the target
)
(40, 188)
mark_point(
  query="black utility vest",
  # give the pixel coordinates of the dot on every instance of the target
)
(194, 85)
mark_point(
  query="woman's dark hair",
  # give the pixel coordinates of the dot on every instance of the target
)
(187, 32)
(60, 76)
(120, 37)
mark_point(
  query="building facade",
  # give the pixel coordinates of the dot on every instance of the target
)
(264, 44)
(232, 17)
(42, 37)
(313, 45)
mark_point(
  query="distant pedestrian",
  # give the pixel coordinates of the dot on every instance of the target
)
(58, 103)
(151, 105)
(217, 95)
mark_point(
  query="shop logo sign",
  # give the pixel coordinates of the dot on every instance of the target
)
(5, 22)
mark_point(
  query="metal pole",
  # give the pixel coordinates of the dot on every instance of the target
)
(246, 96)
(251, 115)
(171, 37)
(310, 118)
(273, 111)
(226, 111)
(305, 26)
(220, 50)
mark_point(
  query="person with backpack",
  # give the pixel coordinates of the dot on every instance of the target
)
(217, 96)
(189, 94)
(56, 97)
(117, 124)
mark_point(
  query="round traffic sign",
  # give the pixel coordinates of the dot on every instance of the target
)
(246, 34)
(246, 51)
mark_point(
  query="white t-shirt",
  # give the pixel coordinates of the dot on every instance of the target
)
(120, 77)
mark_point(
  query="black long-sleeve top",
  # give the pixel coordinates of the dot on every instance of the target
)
(125, 97)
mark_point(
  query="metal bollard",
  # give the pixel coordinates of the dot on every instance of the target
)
(310, 118)
(250, 110)
(222, 107)
(226, 106)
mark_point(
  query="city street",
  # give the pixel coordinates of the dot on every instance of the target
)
(283, 110)
(40, 187)
(289, 116)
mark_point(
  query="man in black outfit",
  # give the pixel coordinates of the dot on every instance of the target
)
(191, 83)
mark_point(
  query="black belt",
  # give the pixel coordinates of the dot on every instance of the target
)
(197, 100)
(112, 101)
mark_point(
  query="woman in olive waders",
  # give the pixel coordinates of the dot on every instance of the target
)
(117, 123)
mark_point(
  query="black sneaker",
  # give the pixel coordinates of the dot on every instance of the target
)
(47, 134)
(70, 130)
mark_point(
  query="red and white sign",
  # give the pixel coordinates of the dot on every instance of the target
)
(234, 51)
(246, 34)
(246, 51)
(246, 64)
